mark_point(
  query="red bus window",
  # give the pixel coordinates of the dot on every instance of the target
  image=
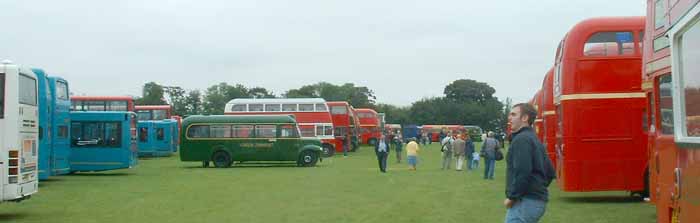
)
(609, 44)
(659, 14)
(666, 104)
(321, 107)
(338, 110)
(242, 131)
(289, 107)
(306, 107)
(307, 130)
(690, 73)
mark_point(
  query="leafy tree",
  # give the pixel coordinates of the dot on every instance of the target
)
(176, 96)
(360, 97)
(193, 103)
(152, 94)
(469, 90)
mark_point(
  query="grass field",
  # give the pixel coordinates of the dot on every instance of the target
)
(337, 190)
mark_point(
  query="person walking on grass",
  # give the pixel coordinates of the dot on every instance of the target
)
(469, 152)
(381, 148)
(529, 171)
(488, 149)
(459, 148)
(412, 149)
(447, 150)
(398, 144)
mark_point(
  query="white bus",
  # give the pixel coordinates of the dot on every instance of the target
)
(19, 135)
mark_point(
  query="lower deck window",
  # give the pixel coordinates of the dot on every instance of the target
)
(96, 134)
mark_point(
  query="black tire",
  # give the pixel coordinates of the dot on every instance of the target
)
(205, 164)
(221, 159)
(307, 159)
(372, 142)
(328, 150)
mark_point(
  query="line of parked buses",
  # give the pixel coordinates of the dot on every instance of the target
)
(620, 108)
(618, 111)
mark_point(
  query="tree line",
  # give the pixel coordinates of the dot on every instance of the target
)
(465, 101)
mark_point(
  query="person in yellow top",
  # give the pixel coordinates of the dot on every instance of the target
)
(412, 149)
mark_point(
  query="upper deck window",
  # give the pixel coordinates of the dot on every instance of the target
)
(321, 107)
(255, 107)
(609, 44)
(238, 108)
(306, 107)
(27, 90)
(659, 14)
(273, 107)
(160, 114)
(690, 79)
(117, 105)
(143, 115)
(338, 110)
(289, 107)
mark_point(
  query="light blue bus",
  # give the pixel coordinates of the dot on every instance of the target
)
(157, 138)
(54, 105)
(101, 141)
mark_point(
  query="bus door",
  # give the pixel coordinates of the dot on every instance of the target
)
(266, 142)
(60, 152)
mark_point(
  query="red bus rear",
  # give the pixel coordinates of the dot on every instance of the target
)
(153, 112)
(549, 117)
(436, 129)
(672, 85)
(345, 123)
(312, 115)
(600, 107)
(369, 125)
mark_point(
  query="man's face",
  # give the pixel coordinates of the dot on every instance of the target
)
(516, 119)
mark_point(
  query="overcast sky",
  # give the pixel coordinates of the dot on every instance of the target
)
(403, 50)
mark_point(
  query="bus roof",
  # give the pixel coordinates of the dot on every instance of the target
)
(239, 119)
(101, 98)
(152, 107)
(276, 100)
(365, 110)
(580, 33)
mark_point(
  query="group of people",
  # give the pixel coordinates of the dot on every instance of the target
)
(528, 169)
(460, 147)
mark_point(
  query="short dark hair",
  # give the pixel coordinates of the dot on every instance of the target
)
(529, 110)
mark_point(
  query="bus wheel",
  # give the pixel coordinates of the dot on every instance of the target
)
(205, 164)
(221, 159)
(328, 150)
(308, 158)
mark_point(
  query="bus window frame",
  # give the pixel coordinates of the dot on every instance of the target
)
(105, 143)
(63, 89)
(36, 92)
(691, 19)
(2, 95)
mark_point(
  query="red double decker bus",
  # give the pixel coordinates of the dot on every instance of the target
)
(312, 115)
(346, 125)
(672, 85)
(370, 129)
(600, 106)
(153, 112)
(539, 124)
(549, 117)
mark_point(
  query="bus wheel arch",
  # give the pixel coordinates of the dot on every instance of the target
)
(328, 149)
(221, 158)
(308, 158)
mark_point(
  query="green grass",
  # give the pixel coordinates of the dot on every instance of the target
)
(337, 190)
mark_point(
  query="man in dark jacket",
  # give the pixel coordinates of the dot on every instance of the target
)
(381, 148)
(529, 171)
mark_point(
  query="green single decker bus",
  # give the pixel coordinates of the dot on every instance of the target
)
(223, 139)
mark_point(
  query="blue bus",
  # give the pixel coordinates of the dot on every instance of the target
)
(411, 131)
(54, 105)
(157, 138)
(101, 141)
